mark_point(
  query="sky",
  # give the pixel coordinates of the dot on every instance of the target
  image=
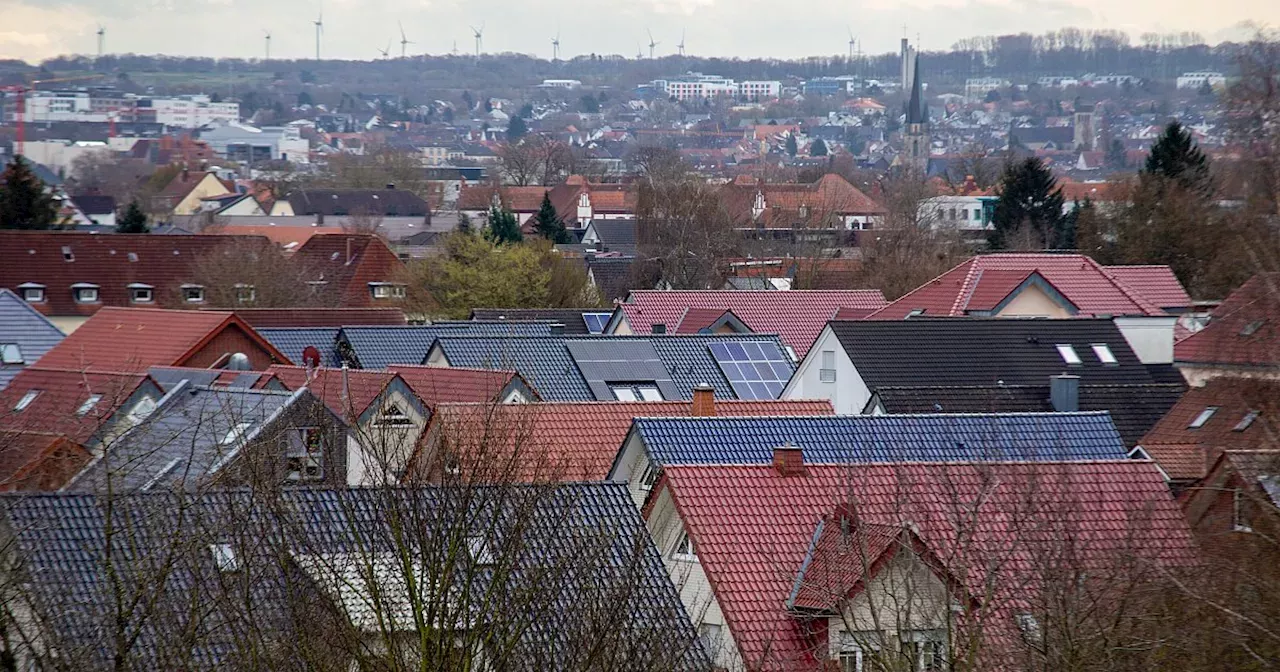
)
(356, 29)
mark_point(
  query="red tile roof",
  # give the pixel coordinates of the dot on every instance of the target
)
(751, 529)
(1091, 287)
(797, 316)
(1157, 283)
(1243, 331)
(439, 385)
(58, 260)
(349, 262)
(353, 392)
(831, 195)
(515, 199)
(61, 394)
(574, 440)
(321, 317)
(1185, 452)
(38, 461)
(697, 319)
(134, 339)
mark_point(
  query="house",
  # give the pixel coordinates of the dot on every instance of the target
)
(830, 203)
(320, 317)
(796, 316)
(70, 276)
(199, 437)
(371, 203)
(133, 339)
(611, 234)
(1034, 285)
(293, 343)
(577, 202)
(100, 210)
(330, 580)
(435, 385)
(575, 321)
(1235, 513)
(559, 441)
(25, 335)
(851, 360)
(1241, 339)
(792, 565)
(53, 421)
(1223, 414)
(627, 368)
(360, 268)
(379, 347)
(610, 275)
(656, 443)
(187, 190)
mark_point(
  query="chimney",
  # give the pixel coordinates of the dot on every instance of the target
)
(704, 401)
(557, 329)
(659, 329)
(788, 460)
(1064, 393)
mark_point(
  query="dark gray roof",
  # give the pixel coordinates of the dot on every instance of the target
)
(612, 276)
(571, 318)
(984, 351)
(578, 546)
(1134, 409)
(379, 347)
(616, 232)
(291, 341)
(384, 202)
(25, 327)
(550, 367)
(93, 204)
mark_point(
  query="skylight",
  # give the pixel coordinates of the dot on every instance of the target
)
(26, 400)
(89, 404)
(479, 549)
(1251, 328)
(1203, 417)
(1103, 351)
(10, 353)
(1069, 354)
(1245, 421)
(225, 558)
(235, 433)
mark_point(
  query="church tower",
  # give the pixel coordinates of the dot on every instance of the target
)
(916, 134)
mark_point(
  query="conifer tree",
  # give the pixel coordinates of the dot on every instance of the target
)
(1030, 211)
(792, 147)
(819, 148)
(548, 224)
(516, 129)
(24, 202)
(503, 226)
(133, 221)
(1175, 156)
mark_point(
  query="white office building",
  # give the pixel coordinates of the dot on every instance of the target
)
(1195, 80)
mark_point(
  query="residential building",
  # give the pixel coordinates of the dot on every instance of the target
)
(100, 210)
(577, 202)
(977, 88)
(831, 203)
(1241, 338)
(371, 203)
(851, 360)
(1197, 80)
(380, 347)
(574, 321)
(1235, 513)
(320, 317)
(966, 212)
(830, 86)
(25, 335)
(357, 267)
(186, 111)
(185, 194)
(796, 316)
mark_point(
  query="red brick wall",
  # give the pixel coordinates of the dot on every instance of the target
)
(232, 339)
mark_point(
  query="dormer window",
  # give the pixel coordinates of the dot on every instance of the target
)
(193, 293)
(32, 292)
(140, 293)
(67, 254)
(1069, 355)
(1203, 417)
(386, 290)
(246, 293)
(225, 558)
(84, 292)
(10, 353)
(478, 548)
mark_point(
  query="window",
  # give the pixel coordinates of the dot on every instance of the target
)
(139, 293)
(1069, 355)
(649, 477)
(235, 433)
(393, 415)
(26, 400)
(927, 648)
(246, 293)
(916, 312)
(1203, 417)
(1029, 626)
(1240, 512)
(141, 411)
(857, 649)
(10, 353)
(827, 374)
(964, 214)
(67, 254)
(1104, 354)
(1251, 328)
(630, 392)
(305, 459)
(709, 635)
(683, 549)
(225, 557)
(88, 404)
(193, 293)
(1245, 421)
(478, 548)
(383, 290)
(32, 293)
(85, 293)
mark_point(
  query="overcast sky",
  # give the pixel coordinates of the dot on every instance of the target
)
(37, 29)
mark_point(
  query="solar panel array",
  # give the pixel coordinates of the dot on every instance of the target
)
(596, 321)
(756, 370)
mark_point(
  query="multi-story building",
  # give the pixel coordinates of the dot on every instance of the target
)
(1195, 80)
(43, 106)
(251, 144)
(560, 84)
(1057, 82)
(757, 90)
(977, 88)
(830, 86)
(697, 86)
(186, 111)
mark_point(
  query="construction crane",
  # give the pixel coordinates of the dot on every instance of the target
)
(20, 109)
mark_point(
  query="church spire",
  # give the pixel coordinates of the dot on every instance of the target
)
(917, 111)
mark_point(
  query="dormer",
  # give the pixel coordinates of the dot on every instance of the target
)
(758, 206)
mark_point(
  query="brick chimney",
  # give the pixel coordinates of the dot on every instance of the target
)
(788, 460)
(704, 401)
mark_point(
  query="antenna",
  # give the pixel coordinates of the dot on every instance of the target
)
(267, 33)
(404, 41)
(681, 45)
(102, 38)
(319, 23)
(555, 47)
(652, 44)
(479, 33)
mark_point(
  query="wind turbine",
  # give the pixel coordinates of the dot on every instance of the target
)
(555, 47)
(853, 42)
(652, 44)
(639, 51)
(479, 33)
(102, 38)
(681, 45)
(319, 23)
(404, 41)
(386, 53)
(268, 41)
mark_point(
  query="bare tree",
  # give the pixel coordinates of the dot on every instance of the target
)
(684, 232)
(248, 272)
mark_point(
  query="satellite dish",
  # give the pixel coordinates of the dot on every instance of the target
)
(311, 356)
(239, 362)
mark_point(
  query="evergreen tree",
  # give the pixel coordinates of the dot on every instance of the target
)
(1175, 156)
(24, 203)
(516, 129)
(819, 148)
(1116, 157)
(464, 223)
(1029, 211)
(133, 221)
(792, 147)
(503, 226)
(548, 224)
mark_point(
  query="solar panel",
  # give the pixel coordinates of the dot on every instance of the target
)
(596, 321)
(756, 370)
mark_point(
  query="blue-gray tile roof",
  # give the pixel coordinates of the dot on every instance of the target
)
(291, 341)
(380, 347)
(23, 326)
(548, 365)
(884, 438)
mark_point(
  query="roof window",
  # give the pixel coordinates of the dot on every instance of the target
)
(32, 292)
(193, 293)
(26, 400)
(1245, 421)
(479, 549)
(235, 433)
(1103, 351)
(1251, 328)
(1069, 354)
(1203, 417)
(88, 404)
(67, 254)
(10, 353)
(225, 557)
